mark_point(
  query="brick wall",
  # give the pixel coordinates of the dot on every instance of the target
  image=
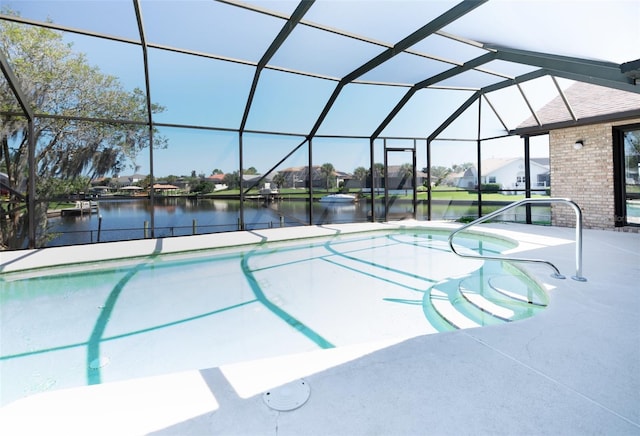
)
(586, 175)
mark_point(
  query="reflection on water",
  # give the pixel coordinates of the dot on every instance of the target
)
(126, 219)
(179, 216)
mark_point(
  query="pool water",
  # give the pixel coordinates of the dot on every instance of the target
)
(95, 323)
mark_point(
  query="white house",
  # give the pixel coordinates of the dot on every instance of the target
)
(128, 180)
(509, 173)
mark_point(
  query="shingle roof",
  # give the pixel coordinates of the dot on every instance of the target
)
(492, 164)
(587, 102)
(543, 161)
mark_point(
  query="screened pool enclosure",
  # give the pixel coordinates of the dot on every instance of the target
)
(255, 110)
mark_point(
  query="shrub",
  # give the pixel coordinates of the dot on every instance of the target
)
(490, 187)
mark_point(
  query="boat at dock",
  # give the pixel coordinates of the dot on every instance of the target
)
(269, 193)
(81, 208)
(338, 198)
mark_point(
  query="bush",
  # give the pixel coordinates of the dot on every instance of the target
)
(203, 188)
(490, 187)
(466, 219)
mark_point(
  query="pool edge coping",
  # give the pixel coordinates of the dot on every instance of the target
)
(40, 258)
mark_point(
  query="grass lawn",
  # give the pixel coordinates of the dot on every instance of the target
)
(436, 194)
(462, 195)
(55, 205)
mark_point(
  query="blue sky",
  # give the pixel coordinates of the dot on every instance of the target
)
(207, 92)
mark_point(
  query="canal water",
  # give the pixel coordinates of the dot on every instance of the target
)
(127, 219)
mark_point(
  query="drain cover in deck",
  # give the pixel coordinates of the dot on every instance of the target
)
(287, 397)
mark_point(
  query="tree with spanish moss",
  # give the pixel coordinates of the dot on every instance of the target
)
(86, 123)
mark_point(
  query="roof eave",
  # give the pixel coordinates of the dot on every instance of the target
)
(546, 128)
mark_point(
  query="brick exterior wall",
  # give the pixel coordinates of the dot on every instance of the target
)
(586, 175)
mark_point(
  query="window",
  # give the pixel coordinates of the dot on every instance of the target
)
(626, 153)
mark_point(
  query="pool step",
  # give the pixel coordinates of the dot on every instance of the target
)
(488, 306)
(518, 290)
(443, 306)
(480, 299)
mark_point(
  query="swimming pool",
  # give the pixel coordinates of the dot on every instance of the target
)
(98, 322)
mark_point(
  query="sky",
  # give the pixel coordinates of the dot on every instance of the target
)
(212, 93)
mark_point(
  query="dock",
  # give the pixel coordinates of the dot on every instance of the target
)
(81, 208)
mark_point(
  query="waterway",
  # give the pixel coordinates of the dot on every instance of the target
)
(131, 218)
(126, 219)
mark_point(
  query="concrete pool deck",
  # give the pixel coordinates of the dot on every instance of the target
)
(574, 368)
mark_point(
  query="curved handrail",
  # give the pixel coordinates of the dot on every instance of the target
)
(556, 273)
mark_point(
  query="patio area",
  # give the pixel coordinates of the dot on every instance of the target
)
(572, 369)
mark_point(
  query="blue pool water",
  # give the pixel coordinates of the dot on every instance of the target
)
(100, 322)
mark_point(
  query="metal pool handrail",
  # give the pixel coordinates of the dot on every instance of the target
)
(556, 273)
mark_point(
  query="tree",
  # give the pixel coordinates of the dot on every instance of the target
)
(378, 171)
(438, 174)
(327, 172)
(56, 80)
(217, 171)
(460, 168)
(146, 182)
(405, 172)
(279, 179)
(203, 187)
(250, 171)
(232, 180)
(360, 174)
(63, 188)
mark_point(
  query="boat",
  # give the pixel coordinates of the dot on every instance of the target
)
(338, 198)
(269, 193)
(268, 190)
